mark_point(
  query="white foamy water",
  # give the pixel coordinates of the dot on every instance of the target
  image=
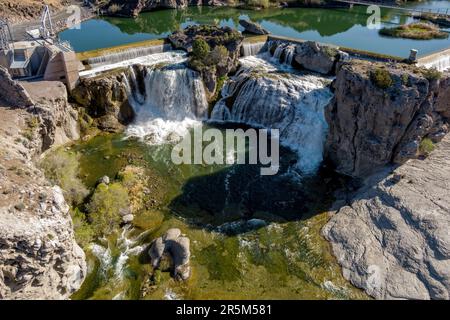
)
(127, 248)
(441, 64)
(148, 60)
(265, 95)
(173, 101)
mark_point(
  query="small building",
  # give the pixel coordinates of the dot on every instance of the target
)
(42, 59)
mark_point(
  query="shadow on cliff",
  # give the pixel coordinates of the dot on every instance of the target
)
(238, 199)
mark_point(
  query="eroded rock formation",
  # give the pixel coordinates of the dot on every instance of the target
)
(39, 258)
(393, 239)
(252, 27)
(175, 247)
(380, 113)
(105, 99)
(223, 56)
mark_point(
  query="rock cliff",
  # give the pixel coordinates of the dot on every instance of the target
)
(105, 99)
(392, 239)
(380, 113)
(39, 258)
(134, 7)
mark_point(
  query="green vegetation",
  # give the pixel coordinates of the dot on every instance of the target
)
(200, 49)
(426, 147)
(381, 78)
(432, 74)
(62, 169)
(419, 31)
(84, 233)
(105, 207)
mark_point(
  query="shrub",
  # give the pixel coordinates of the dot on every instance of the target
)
(432, 74)
(84, 233)
(381, 78)
(217, 55)
(200, 49)
(426, 146)
(114, 8)
(105, 206)
(62, 168)
(420, 30)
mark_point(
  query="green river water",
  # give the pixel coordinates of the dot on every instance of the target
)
(343, 27)
(283, 258)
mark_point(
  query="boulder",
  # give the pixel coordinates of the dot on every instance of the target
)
(319, 58)
(104, 179)
(173, 247)
(252, 27)
(127, 218)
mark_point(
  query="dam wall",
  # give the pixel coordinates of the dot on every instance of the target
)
(438, 60)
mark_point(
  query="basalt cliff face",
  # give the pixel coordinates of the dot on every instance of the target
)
(39, 258)
(105, 100)
(392, 239)
(380, 113)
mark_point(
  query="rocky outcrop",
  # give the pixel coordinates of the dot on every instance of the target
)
(176, 247)
(380, 114)
(58, 120)
(134, 7)
(319, 58)
(12, 92)
(392, 239)
(252, 27)
(105, 99)
(39, 258)
(219, 59)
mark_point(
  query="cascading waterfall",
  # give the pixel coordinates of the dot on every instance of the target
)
(283, 53)
(252, 49)
(128, 54)
(440, 64)
(263, 96)
(169, 57)
(173, 100)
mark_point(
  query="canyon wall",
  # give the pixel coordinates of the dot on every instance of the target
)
(392, 238)
(39, 258)
(380, 114)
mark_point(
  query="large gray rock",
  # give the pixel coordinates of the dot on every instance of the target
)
(371, 126)
(253, 27)
(177, 247)
(393, 238)
(319, 58)
(12, 92)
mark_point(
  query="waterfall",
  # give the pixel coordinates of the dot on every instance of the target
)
(441, 63)
(128, 54)
(252, 49)
(170, 57)
(283, 53)
(260, 94)
(173, 100)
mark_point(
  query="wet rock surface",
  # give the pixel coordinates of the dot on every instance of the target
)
(176, 247)
(253, 27)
